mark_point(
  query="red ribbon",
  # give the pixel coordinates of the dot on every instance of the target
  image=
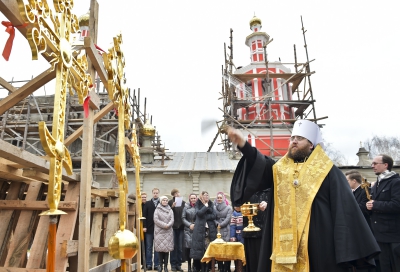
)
(10, 29)
(98, 48)
(86, 106)
(116, 112)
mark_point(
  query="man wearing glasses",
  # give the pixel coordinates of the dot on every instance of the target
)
(313, 222)
(385, 212)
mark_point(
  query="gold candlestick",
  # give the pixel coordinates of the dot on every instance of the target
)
(249, 210)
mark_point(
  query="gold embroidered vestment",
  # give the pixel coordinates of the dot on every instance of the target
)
(293, 208)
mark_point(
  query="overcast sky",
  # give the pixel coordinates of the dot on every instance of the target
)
(174, 52)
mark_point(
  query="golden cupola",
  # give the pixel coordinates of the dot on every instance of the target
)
(148, 129)
(255, 21)
(84, 19)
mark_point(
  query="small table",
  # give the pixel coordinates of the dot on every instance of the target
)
(225, 252)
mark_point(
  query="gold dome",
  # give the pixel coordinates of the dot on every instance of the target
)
(255, 20)
(84, 19)
(148, 129)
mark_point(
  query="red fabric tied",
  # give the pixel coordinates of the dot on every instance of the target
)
(10, 29)
(98, 48)
(116, 112)
(86, 106)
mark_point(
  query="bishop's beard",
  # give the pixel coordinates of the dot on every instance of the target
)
(300, 154)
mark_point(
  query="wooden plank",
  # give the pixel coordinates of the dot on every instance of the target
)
(30, 205)
(293, 76)
(30, 173)
(10, 163)
(7, 85)
(66, 226)
(112, 226)
(15, 154)
(95, 234)
(94, 101)
(110, 210)
(131, 224)
(22, 235)
(104, 192)
(34, 84)
(13, 174)
(85, 196)
(11, 12)
(100, 114)
(38, 250)
(97, 61)
(108, 266)
(69, 248)
(5, 217)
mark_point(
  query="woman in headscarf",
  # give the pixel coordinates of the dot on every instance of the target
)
(223, 219)
(188, 218)
(163, 234)
(204, 230)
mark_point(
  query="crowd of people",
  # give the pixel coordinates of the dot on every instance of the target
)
(181, 231)
(311, 216)
(184, 230)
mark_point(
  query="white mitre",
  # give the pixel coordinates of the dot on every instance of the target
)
(308, 130)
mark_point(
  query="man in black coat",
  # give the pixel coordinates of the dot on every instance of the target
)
(148, 229)
(385, 212)
(313, 221)
(144, 200)
(177, 208)
(354, 179)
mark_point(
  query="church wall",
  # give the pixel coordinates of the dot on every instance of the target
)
(186, 183)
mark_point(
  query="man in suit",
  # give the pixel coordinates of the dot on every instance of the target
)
(385, 212)
(354, 179)
(148, 229)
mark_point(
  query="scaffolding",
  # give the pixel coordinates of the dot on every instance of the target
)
(234, 82)
(19, 126)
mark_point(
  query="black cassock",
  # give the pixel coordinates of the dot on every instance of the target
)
(339, 236)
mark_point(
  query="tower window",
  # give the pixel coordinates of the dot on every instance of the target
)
(253, 46)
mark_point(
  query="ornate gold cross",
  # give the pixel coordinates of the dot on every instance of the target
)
(118, 92)
(70, 74)
(123, 244)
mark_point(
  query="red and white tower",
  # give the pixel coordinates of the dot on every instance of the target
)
(263, 105)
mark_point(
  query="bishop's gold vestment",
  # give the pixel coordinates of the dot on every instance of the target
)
(296, 185)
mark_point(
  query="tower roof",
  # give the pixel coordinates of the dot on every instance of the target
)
(84, 19)
(148, 129)
(255, 20)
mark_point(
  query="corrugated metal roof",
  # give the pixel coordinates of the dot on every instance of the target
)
(194, 161)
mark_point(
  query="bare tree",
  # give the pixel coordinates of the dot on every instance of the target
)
(388, 145)
(335, 155)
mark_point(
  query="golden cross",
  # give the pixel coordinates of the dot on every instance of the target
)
(70, 74)
(365, 185)
(123, 244)
(114, 62)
